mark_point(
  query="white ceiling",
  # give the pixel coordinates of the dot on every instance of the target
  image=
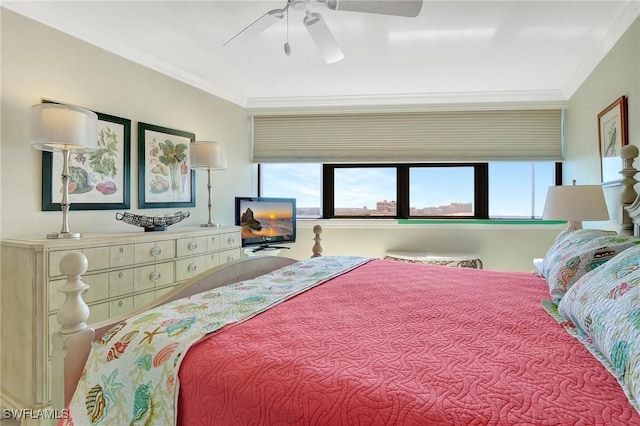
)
(453, 52)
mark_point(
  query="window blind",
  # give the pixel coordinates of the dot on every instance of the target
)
(534, 135)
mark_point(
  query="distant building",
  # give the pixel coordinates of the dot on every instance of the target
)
(453, 209)
(386, 208)
(389, 208)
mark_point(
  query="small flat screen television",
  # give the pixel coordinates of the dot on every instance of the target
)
(266, 222)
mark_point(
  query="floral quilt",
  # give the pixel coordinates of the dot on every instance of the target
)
(131, 376)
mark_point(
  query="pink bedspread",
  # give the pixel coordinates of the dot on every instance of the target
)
(402, 344)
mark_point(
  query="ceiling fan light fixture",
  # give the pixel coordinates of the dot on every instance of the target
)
(323, 38)
(299, 5)
(317, 27)
(408, 8)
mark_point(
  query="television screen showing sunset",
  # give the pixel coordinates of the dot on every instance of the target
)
(266, 219)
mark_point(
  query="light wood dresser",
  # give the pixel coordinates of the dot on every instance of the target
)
(126, 271)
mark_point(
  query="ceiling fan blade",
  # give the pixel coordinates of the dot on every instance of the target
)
(256, 27)
(322, 36)
(408, 8)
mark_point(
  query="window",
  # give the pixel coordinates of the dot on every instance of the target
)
(301, 181)
(441, 191)
(364, 191)
(509, 190)
(519, 189)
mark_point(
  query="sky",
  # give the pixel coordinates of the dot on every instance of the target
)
(510, 186)
(268, 210)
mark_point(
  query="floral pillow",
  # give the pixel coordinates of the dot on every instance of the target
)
(572, 239)
(579, 253)
(603, 311)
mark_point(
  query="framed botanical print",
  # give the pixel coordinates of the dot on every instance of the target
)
(98, 180)
(165, 178)
(612, 136)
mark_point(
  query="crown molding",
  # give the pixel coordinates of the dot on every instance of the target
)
(626, 14)
(40, 12)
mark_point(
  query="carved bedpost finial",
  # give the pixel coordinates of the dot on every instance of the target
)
(628, 153)
(628, 195)
(74, 312)
(317, 248)
(71, 343)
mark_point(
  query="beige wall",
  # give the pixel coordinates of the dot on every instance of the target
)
(38, 62)
(617, 74)
(504, 247)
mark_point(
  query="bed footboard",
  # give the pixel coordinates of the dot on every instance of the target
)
(72, 343)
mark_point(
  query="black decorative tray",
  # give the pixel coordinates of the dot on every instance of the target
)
(151, 223)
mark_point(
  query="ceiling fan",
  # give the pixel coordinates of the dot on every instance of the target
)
(316, 25)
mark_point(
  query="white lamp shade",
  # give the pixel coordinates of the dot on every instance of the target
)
(56, 127)
(207, 155)
(576, 203)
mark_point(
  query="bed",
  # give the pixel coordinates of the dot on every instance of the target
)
(358, 341)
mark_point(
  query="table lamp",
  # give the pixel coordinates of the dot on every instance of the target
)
(63, 128)
(575, 203)
(210, 156)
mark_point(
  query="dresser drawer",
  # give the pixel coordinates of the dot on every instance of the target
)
(213, 242)
(189, 267)
(191, 246)
(120, 282)
(121, 255)
(154, 251)
(230, 240)
(213, 260)
(125, 271)
(120, 306)
(148, 277)
(98, 258)
(228, 256)
(222, 257)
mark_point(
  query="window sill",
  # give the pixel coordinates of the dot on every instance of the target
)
(481, 221)
(421, 223)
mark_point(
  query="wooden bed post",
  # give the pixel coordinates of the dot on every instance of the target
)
(628, 196)
(317, 248)
(73, 333)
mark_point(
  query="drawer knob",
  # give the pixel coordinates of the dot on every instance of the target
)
(231, 240)
(192, 267)
(230, 258)
(121, 249)
(213, 238)
(192, 246)
(120, 303)
(155, 251)
(155, 276)
(120, 274)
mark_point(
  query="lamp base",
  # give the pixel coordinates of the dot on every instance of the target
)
(210, 225)
(572, 226)
(64, 235)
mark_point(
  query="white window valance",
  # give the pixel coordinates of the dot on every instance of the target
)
(534, 135)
